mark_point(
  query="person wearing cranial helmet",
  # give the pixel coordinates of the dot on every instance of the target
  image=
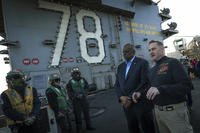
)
(21, 104)
(58, 102)
(77, 88)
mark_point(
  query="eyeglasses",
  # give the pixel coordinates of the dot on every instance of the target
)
(76, 72)
(57, 80)
(17, 77)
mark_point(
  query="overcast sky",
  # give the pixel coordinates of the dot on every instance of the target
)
(183, 12)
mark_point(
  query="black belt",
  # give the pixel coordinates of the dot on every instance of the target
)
(170, 107)
(165, 108)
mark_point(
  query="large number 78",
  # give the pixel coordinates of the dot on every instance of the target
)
(84, 35)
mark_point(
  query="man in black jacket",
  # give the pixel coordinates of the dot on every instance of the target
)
(169, 87)
(132, 77)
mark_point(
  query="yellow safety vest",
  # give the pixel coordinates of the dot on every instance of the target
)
(20, 105)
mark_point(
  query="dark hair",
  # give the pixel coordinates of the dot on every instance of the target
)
(130, 46)
(157, 42)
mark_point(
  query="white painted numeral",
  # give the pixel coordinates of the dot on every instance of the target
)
(87, 35)
(84, 34)
(63, 28)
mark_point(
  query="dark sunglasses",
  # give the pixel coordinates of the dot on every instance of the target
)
(57, 80)
(17, 77)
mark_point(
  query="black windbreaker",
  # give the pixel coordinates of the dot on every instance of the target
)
(171, 80)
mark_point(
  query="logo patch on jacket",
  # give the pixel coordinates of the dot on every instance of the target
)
(163, 68)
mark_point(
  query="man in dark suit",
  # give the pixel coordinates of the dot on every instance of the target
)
(132, 77)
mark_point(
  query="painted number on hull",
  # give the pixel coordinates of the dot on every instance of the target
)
(84, 34)
(63, 28)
